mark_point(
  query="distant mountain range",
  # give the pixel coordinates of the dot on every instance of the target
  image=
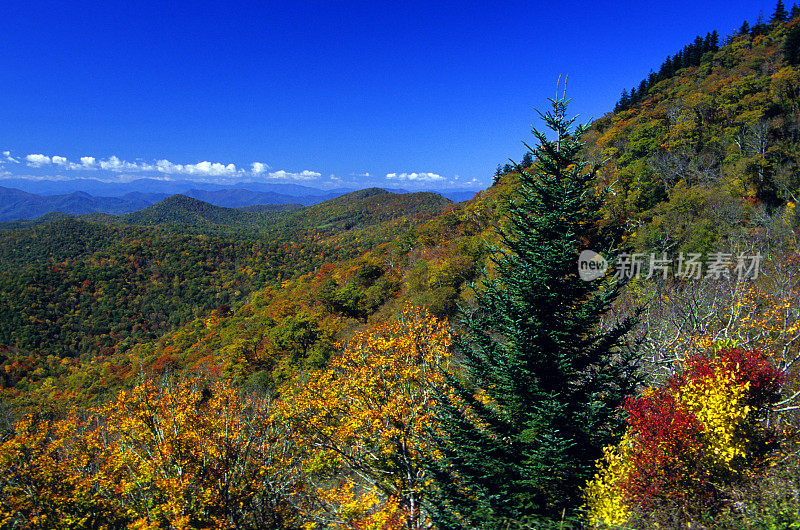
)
(100, 188)
(23, 199)
(182, 210)
(357, 209)
(17, 204)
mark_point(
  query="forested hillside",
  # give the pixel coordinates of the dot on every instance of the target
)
(75, 289)
(711, 142)
(385, 360)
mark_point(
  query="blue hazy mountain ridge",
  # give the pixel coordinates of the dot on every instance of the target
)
(150, 185)
(238, 197)
(17, 204)
(30, 199)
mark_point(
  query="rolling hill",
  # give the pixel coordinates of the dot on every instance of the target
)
(357, 209)
(183, 210)
(138, 275)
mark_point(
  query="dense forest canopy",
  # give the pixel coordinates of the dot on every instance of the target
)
(384, 360)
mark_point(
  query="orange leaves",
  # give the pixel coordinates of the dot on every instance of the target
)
(45, 480)
(194, 451)
(767, 313)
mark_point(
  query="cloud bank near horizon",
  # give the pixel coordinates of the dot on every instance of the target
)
(415, 177)
(163, 166)
(159, 169)
(116, 169)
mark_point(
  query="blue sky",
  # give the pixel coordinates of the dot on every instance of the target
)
(412, 94)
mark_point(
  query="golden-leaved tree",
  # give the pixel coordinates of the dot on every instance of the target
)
(359, 424)
(185, 455)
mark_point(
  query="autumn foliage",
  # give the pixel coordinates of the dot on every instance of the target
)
(179, 456)
(359, 424)
(688, 439)
(342, 447)
(281, 373)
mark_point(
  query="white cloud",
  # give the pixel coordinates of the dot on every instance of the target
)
(165, 166)
(215, 171)
(204, 169)
(128, 177)
(113, 163)
(258, 168)
(415, 177)
(286, 175)
(38, 160)
(210, 169)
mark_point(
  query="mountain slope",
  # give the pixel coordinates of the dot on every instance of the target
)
(703, 150)
(234, 198)
(370, 206)
(71, 287)
(357, 209)
(183, 210)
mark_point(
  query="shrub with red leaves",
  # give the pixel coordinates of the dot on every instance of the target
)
(667, 437)
(667, 461)
(747, 366)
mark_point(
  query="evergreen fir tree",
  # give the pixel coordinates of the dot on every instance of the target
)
(696, 52)
(642, 90)
(667, 69)
(624, 100)
(745, 29)
(714, 42)
(519, 436)
(527, 159)
(498, 173)
(679, 61)
(710, 43)
(780, 14)
(791, 47)
(760, 27)
(795, 11)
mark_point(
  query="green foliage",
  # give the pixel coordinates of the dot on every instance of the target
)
(725, 130)
(366, 289)
(542, 383)
(771, 501)
(92, 292)
(105, 286)
(699, 151)
(699, 52)
(791, 46)
(780, 14)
